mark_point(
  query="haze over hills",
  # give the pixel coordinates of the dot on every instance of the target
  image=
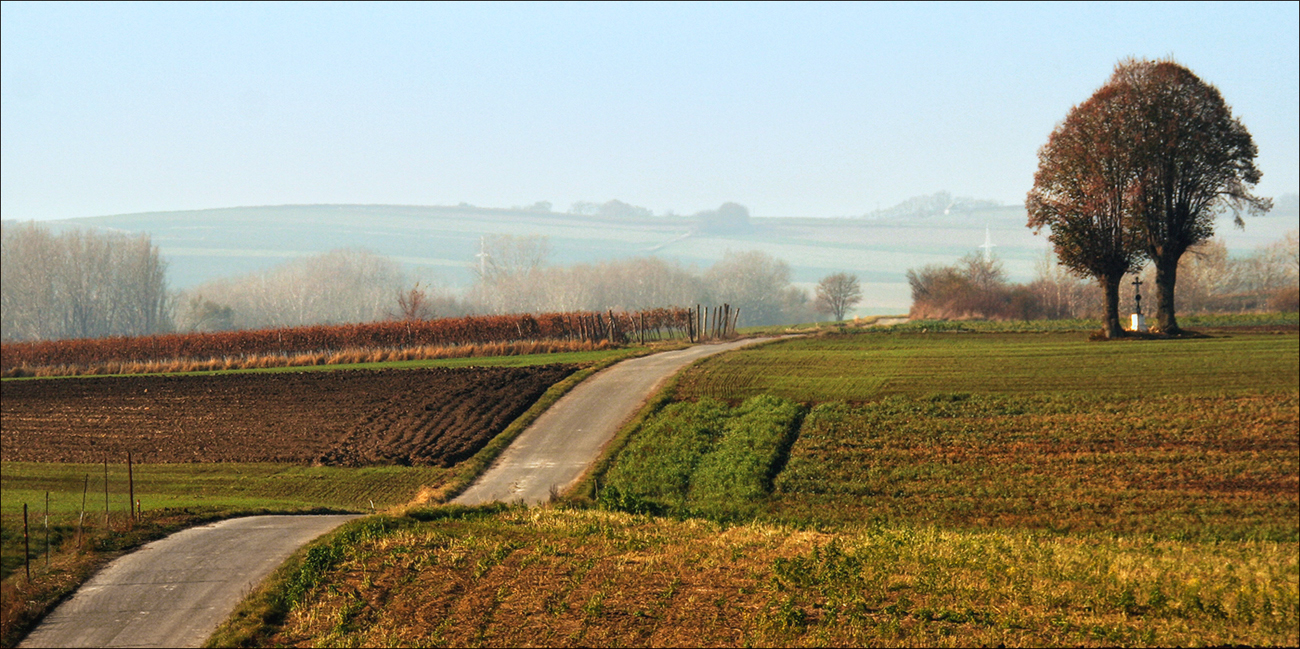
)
(438, 244)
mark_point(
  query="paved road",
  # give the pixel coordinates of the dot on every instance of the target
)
(568, 437)
(174, 592)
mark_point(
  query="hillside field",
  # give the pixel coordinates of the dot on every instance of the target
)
(871, 488)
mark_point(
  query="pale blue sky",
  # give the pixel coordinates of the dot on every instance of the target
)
(790, 109)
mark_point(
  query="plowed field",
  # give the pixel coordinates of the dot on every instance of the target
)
(435, 416)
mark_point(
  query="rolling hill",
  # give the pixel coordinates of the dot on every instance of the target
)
(438, 243)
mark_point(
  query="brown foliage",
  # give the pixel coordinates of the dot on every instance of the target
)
(1193, 157)
(234, 348)
(974, 288)
(1084, 193)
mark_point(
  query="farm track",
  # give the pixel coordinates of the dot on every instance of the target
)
(427, 417)
(553, 453)
(175, 591)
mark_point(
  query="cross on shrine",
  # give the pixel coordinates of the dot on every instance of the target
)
(1137, 296)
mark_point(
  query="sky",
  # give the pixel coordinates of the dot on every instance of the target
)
(818, 110)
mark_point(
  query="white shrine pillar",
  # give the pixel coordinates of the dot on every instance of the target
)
(1139, 321)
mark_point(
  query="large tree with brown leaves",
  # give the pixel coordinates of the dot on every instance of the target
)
(1196, 160)
(1084, 193)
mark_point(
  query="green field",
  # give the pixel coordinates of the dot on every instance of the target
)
(864, 366)
(198, 488)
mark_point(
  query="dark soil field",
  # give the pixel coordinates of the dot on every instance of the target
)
(428, 417)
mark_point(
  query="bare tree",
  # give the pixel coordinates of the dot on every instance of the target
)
(838, 293)
(336, 287)
(413, 304)
(80, 284)
(759, 285)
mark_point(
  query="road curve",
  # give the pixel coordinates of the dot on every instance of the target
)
(568, 437)
(175, 591)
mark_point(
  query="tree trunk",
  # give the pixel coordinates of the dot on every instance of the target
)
(1166, 278)
(1110, 323)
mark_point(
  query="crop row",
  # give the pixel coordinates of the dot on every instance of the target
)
(703, 457)
(618, 327)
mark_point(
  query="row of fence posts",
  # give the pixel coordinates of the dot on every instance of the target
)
(702, 323)
(133, 506)
(714, 322)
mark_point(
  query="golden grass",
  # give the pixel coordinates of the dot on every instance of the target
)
(343, 357)
(555, 577)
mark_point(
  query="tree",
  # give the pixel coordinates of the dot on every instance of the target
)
(413, 304)
(335, 287)
(976, 287)
(759, 285)
(80, 284)
(838, 293)
(1195, 159)
(1084, 193)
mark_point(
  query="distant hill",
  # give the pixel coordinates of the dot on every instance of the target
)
(439, 243)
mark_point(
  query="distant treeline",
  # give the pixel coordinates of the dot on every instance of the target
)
(1209, 281)
(514, 276)
(87, 284)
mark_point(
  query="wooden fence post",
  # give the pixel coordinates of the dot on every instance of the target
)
(106, 492)
(47, 530)
(130, 481)
(81, 520)
(27, 550)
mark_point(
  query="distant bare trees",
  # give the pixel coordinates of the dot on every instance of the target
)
(729, 218)
(80, 284)
(513, 277)
(838, 293)
(335, 287)
(759, 285)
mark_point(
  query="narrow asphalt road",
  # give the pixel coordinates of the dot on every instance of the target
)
(174, 592)
(556, 450)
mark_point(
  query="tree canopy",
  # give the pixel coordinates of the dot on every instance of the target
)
(1084, 194)
(1195, 158)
